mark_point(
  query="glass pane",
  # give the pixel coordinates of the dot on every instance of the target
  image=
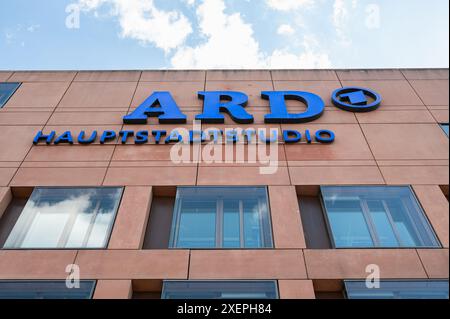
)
(6, 91)
(347, 222)
(66, 218)
(211, 217)
(424, 289)
(219, 290)
(197, 228)
(231, 224)
(445, 128)
(380, 218)
(391, 212)
(252, 224)
(45, 290)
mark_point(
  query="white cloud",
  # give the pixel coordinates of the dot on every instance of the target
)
(229, 41)
(287, 5)
(33, 27)
(285, 29)
(230, 44)
(310, 58)
(143, 21)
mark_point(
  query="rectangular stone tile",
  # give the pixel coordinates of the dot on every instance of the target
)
(242, 155)
(352, 263)
(38, 94)
(432, 92)
(70, 153)
(382, 74)
(59, 177)
(113, 289)
(65, 164)
(420, 175)
(337, 175)
(349, 144)
(87, 118)
(184, 93)
(286, 223)
(24, 118)
(99, 94)
(426, 74)
(393, 92)
(246, 264)
(131, 221)
(397, 117)
(151, 176)
(5, 76)
(6, 173)
(133, 264)
(435, 262)
(238, 75)
(16, 141)
(107, 76)
(42, 76)
(149, 152)
(35, 264)
(304, 75)
(436, 207)
(173, 76)
(406, 141)
(441, 116)
(324, 89)
(241, 176)
(296, 289)
(252, 89)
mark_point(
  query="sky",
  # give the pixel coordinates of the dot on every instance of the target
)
(223, 34)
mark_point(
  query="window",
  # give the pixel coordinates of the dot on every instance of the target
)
(421, 289)
(220, 217)
(220, 290)
(45, 290)
(444, 127)
(378, 216)
(66, 218)
(6, 91)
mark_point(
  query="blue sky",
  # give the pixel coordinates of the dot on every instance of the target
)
(190, 34)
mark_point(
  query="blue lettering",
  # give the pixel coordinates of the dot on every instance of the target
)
(214, 105)
(160, 104)
(280, 115)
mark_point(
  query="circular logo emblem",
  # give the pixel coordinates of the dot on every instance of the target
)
(356, 99)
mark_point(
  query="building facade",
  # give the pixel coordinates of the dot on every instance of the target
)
(333, 203)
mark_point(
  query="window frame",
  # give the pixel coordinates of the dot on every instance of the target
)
(50, 281)
(218, 282)
(372, 228)
(11, 93)
(266, 235)
(109, 230)
(390, 281)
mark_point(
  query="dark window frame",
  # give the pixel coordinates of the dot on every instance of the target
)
(267, 237)
(370, 225)
(109, 231)
(399, 281)
(89, 295)
(218, 282)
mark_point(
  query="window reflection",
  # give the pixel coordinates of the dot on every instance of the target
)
(376, 216)
(221, 217)
(220, 290)
(66, 218)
